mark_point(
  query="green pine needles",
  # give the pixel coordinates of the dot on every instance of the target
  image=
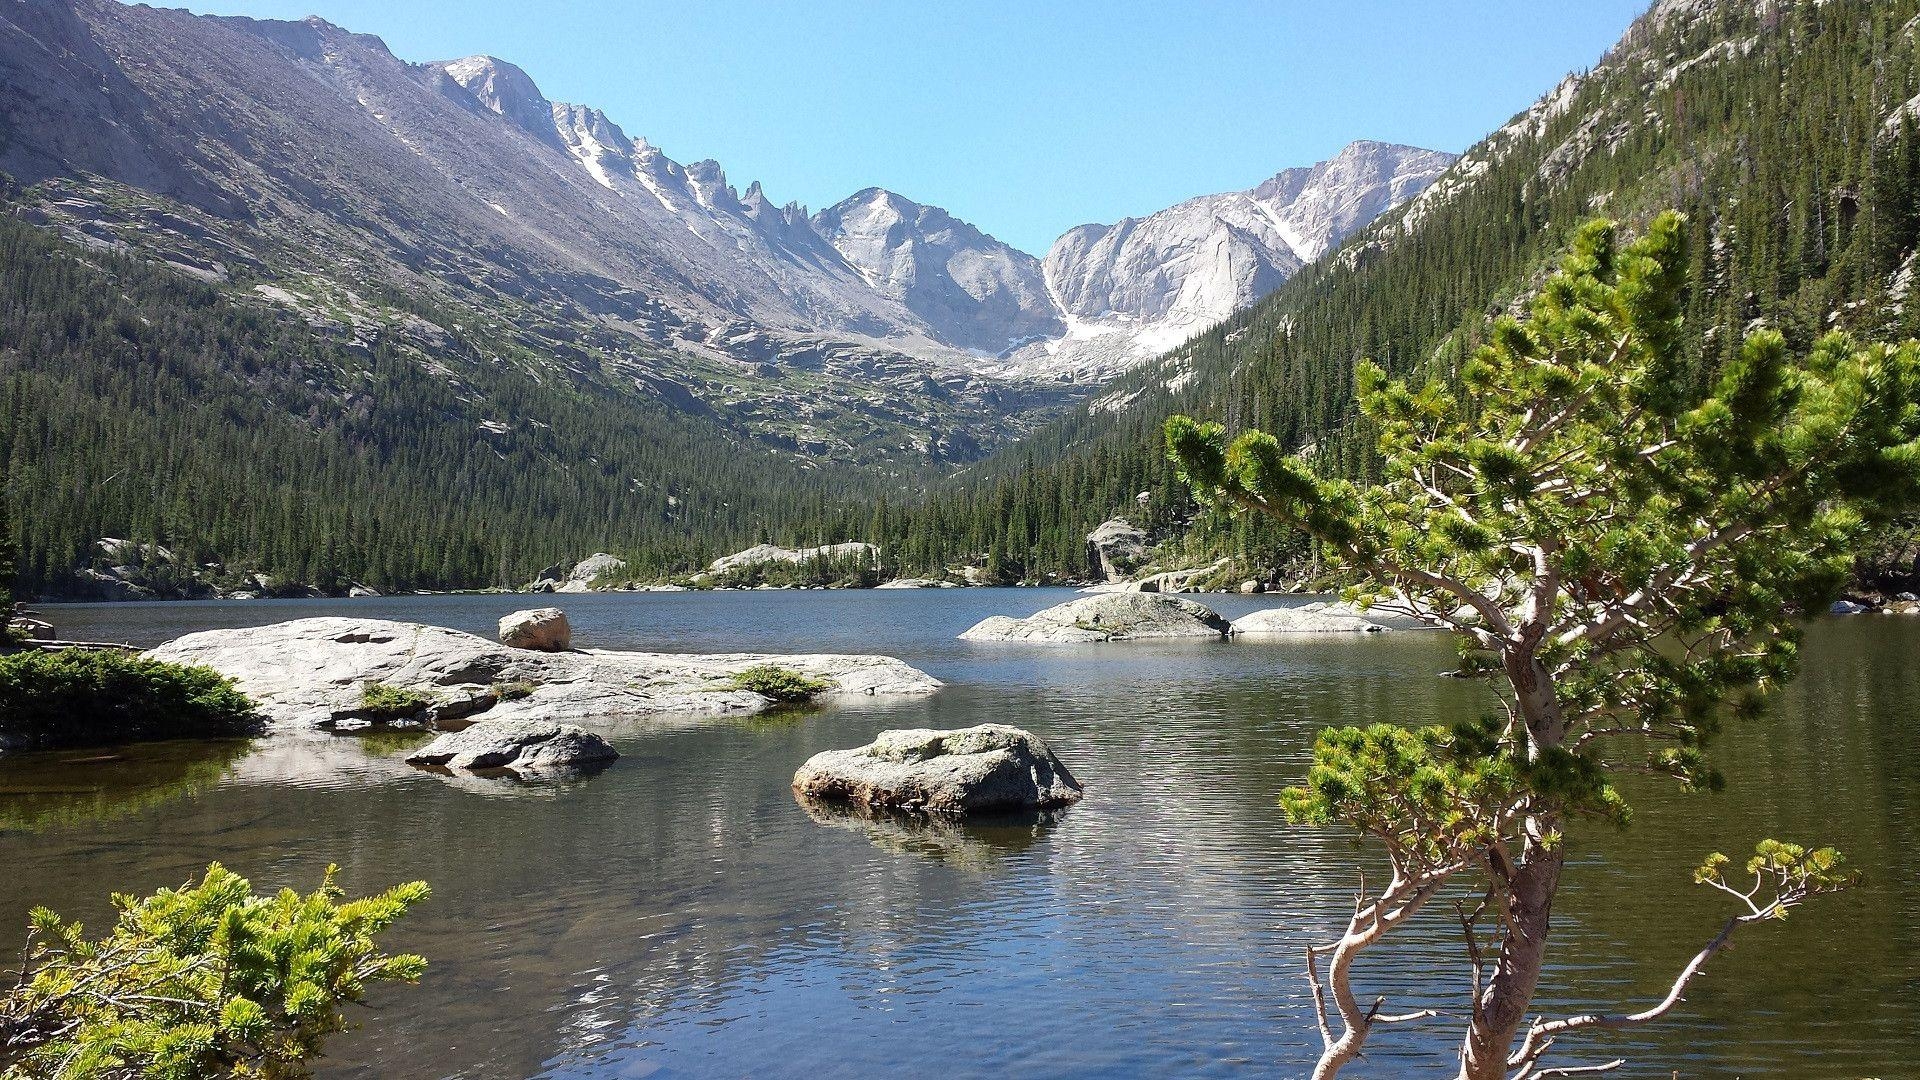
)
(1626, 546)
(781, 684)
(205, 980)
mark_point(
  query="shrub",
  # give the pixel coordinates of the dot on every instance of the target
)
(779, 683)
(513, 691)
(78, 698)
(206, 980)
(382, 702)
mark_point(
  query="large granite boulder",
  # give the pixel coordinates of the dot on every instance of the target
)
(596, 566)
(765, 553)
(303, 673)
(990, 768)
(1117, 547)
(520, 745)
(541, 629)
(1106, 617)
(1323, 618)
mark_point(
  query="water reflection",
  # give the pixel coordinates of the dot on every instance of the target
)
(978, 843)
(94, 786)
(681, 915)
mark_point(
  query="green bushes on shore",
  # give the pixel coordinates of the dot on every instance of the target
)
(50, 700)
(209, 979)
(780, 683)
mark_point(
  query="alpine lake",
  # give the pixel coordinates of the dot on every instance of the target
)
(681, 915)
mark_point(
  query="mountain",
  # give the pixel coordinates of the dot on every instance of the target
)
(969, 288)
(1788, 133)
(1141, 286)
(419, 325)
(310, 168)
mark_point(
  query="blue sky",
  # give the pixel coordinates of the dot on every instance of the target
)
(1026, 118)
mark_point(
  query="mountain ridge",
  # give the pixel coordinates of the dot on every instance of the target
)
(1138, 287)
(664, 257)
(445, 281)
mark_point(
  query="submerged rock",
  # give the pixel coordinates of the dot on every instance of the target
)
(990, 768)
(1106, 617)
(521, 745)
(541, 629)
(302, 673)
(1323, 618)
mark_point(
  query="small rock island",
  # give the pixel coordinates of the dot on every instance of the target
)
(1106, 617)
(986, 769)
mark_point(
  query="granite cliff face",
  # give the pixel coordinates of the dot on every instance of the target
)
(969, 288)
(1141, 286)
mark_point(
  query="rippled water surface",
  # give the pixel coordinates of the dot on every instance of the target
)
(679, 915)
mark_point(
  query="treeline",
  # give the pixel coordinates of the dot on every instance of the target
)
(138, 404)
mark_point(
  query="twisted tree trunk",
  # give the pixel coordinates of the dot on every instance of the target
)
(1528, 885)
(1502, 1006)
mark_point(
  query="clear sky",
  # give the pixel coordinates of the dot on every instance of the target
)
(1025, 117)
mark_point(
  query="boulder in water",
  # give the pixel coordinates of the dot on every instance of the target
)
(303, 673)
(1106, 617)
(985, 769)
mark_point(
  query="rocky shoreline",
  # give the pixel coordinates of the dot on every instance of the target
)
(315, 674)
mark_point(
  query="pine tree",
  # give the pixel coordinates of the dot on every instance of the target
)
(1625, 559)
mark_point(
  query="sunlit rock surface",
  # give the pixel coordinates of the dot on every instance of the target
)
(303, 672)
(991, 767)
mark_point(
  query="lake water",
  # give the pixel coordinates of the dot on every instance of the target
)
(679, 915)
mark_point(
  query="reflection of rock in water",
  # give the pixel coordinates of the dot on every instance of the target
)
(973, 843)
(551, 781)
(55, 788)
(362, 761)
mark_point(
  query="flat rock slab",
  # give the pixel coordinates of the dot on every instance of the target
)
(987, 769)
(301, 673)
(1108, 617)
(1323, 618)
(520, 745)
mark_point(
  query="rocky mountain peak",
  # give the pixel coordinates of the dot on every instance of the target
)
(971, 289)
(1140, 286)
(1321, 205)
(300, 137)
(507, 90)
